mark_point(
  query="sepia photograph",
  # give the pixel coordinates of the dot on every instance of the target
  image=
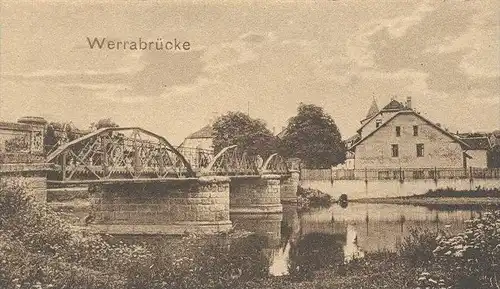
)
(230, 144)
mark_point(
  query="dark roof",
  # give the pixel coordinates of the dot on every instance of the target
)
(455, 138)
(205, 132)
(352, 140)
(477, 143)
(394, 105)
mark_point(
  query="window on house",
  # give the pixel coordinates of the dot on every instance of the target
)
(415, 130)
(395, 150)
(398, 131)
(378, 122)
(420, 150)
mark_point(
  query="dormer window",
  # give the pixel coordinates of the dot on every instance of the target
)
(378, 122)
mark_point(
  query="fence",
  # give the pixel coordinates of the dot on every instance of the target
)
(399, 174)
(315, 174)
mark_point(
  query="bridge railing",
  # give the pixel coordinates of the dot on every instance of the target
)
(232, 160)
(197, 157)
(119, 153)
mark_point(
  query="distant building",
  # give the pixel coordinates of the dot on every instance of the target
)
(198, 148)
(202, 139)
(478, 151)
(399, 137)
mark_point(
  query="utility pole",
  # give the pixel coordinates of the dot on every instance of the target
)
(248, 108)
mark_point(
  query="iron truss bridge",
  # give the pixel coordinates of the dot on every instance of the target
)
(132, 153)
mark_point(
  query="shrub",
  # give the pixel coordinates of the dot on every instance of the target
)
(313, 198)
(473, 256)
(418, 245)
(38, 249)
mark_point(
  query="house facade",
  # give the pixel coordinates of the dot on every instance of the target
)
(399, 137)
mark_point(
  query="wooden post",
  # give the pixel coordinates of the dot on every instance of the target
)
(435, 175)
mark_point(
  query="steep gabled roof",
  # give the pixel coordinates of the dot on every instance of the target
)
(477, 143)
(409, 111)
(205, 132)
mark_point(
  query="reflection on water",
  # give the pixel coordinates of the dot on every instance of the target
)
(351, 248)
(297, 244)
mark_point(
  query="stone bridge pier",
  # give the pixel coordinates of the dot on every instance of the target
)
(259, 194)
(195, 205)
(288, 187)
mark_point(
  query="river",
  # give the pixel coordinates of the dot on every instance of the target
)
(308, 241)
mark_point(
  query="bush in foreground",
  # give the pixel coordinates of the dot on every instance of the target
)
(38, 249)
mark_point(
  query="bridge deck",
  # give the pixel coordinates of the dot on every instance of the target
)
(121, 181)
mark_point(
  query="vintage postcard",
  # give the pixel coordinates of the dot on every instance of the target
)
(249, 144)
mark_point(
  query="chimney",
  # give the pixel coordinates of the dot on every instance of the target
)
(438, 124)
(408, 102)
(274, 130)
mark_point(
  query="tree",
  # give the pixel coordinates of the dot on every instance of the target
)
(313, 137)
(102, 123)
(250, 135)
(58, 133)
(494, 157)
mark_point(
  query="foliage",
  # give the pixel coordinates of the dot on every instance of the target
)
(38, 249)
(313, 136)
(472, 257)
(102, 123)
(251, 135)
(493, 156)
(418, 245)
(312, 198)
(57, 133)
(478, 192)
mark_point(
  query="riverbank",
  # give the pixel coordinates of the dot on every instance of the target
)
(444, 197)
(423, 201)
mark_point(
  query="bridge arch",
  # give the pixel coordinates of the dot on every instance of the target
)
(119, 153)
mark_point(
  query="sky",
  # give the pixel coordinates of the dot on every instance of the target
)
(258, 57)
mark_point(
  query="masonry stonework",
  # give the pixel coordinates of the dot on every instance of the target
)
(32, 177)
(289, 186)
(176, 207)
(255, 194)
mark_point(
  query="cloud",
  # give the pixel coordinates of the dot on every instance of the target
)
(180, 90)
(222, 56)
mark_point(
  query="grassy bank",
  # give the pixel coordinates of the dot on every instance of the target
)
(446, 197)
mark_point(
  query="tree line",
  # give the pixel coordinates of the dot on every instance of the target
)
(311, 135)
